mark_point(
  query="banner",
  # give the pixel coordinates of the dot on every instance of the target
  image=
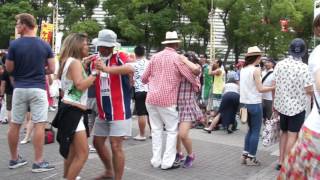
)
(46, 32)
(58, 42)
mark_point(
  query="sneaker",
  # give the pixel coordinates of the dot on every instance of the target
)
(175, 165)
(140, 138)
(179, 158)
(252, 161)
(41, 167)
(92, 149)
(188, 162)
(13, 164)
(25, 141)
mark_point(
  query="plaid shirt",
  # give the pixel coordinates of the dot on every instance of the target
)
(163, 75)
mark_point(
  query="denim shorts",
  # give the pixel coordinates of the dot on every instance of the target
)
(34, 98)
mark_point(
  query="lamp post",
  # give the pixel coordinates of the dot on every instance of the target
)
(212, 32)
(55, 15)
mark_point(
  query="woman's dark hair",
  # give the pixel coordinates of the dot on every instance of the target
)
(192, 57)
(250, 60)
(219, 62)
(316, 21)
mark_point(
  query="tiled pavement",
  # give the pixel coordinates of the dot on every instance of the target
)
(217, 157)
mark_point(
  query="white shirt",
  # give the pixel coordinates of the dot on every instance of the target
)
(139, 67)
(291, 77)
(231, 87)
(313, 120)
(267, 82)
(248, 89)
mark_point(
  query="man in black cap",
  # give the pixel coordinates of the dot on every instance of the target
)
(293, 84)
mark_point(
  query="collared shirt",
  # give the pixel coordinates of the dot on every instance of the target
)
(163, 75)
(291, 77)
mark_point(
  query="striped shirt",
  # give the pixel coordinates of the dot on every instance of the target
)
(163, 75)
(113, 92)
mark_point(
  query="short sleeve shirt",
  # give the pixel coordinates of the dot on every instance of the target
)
(30, 56)
(139, 67)
(291, 77)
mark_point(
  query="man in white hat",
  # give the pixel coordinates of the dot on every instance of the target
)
(113, 92)
(163, 75)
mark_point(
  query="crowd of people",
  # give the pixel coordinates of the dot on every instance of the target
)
(173, 92)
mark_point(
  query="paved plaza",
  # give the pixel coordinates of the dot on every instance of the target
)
(217, 157)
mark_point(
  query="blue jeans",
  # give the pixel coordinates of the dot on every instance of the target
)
(254, 123)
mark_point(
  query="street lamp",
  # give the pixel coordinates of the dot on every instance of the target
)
(212, 32)
(55, 15)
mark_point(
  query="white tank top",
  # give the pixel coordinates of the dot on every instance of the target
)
(71, 93)
(248, 89)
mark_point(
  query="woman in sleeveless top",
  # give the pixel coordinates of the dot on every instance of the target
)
(250, 97)
(71, 119)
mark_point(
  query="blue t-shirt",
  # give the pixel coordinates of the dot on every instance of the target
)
(30, 56)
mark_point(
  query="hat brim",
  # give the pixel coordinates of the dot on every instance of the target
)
(171, 41)
(253, 54)
(107, 44)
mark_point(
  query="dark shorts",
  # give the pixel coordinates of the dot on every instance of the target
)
(9, 102)
(140, 103)
(292, 123)
(267, 109)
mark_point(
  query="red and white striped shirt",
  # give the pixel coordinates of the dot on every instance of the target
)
(163, 75)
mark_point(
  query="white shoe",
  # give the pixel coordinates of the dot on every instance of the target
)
(52, 109)
(25, 141)
(92, 149)
(140, 138)
(78, 178)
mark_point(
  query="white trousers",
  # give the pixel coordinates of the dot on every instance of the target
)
(160, 117)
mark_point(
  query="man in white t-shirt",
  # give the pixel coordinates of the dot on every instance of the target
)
(140, 91)
(267, 80)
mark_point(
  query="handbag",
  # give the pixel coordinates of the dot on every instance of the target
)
(49, 135)
(243, 115)
(271, 131)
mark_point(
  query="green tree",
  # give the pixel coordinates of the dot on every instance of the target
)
(141, 21)
(75, 11)
(8, 11)
(90, 27)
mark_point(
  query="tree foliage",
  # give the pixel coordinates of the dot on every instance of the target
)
(247, 22)
(90, 27)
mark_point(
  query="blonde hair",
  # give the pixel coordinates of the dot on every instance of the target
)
(71, 47)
